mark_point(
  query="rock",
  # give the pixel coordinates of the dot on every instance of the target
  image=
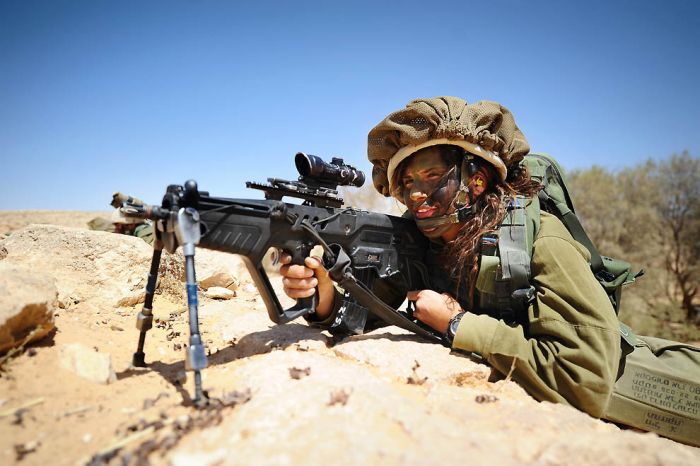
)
(283, 394)
(217, 292)
(220, 280)
(216, 268)
(28, 300)
(347, 412)
(87, 363)
(252, 331)
(399, 353)
(105, 268)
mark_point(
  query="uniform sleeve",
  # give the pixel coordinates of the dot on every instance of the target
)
(146, 232)
(571, 349)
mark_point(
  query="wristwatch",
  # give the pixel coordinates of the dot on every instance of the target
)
(449, 335)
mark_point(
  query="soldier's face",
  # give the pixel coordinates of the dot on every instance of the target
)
(125, 228)
(430, 182)
(429, 186)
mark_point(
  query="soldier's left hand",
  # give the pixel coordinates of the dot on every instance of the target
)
(433, 308)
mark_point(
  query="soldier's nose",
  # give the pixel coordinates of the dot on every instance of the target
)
(418, 196)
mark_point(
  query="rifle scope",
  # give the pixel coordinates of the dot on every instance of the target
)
(336, 172)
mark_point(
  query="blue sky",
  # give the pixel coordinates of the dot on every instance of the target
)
(98, 96)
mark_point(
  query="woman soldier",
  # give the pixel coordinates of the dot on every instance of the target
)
(456, 167)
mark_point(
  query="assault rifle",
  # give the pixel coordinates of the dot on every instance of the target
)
(359, 246)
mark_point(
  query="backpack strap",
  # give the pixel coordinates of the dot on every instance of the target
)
(549, 170)
(514, 292)
(572, 223)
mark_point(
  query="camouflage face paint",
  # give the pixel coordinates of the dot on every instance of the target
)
(430, 185)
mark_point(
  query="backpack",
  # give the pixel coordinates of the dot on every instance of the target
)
(504, 276)
(657, 385)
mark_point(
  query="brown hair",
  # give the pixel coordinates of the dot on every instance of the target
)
(462, 254)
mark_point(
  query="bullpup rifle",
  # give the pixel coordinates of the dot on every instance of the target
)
(359, 247)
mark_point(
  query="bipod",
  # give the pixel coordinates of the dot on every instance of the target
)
(144, 320)
(187, 232)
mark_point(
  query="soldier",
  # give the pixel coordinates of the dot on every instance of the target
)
(133, 227)
(457, 169)
(124, 225)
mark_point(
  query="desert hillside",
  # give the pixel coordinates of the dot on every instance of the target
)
(286, 394)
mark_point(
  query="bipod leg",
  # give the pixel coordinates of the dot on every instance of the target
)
(196, 359)
(144, 320)
(196, 355)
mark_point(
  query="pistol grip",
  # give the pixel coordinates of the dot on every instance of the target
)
(304, 306)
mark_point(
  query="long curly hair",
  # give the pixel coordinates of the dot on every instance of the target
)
(462, 254)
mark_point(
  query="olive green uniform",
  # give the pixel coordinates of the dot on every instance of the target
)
(570, 348)
(146, 232)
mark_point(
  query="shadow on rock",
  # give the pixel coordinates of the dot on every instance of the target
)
(276, 338)
(397, 337)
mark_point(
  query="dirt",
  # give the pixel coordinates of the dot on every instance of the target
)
(49, 415)
(70, 421)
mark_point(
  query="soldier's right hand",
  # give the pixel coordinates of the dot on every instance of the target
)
(301, 281)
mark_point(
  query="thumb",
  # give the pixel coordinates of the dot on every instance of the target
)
(316, 264)
(412, 295)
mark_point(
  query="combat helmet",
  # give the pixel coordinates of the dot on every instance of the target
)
(484, 129)
(118, 218)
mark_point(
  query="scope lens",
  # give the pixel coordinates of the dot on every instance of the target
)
(309, 165)
(359, 179)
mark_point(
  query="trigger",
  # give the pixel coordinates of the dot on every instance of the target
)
(410, 308)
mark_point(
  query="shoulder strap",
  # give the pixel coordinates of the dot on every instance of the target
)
(514, 293)
(547, 171)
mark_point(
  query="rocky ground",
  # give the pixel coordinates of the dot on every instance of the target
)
(284, 394)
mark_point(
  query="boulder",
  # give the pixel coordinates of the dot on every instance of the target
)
(287, 394)
(217, 292)
(87, 363)
(219, 279)
(216, 268)
(27, 303)
(318, 408)
(105, 268)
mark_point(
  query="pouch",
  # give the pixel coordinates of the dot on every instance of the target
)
(658, 387)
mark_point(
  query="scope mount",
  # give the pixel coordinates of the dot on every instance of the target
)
(319, 196)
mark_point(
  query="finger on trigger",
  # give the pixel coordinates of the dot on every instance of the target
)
(313, 262)
(412, 295)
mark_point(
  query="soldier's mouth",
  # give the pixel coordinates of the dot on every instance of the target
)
(425, 212)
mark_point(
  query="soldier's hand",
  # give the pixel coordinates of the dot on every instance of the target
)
(433, 308)
(301, 281)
